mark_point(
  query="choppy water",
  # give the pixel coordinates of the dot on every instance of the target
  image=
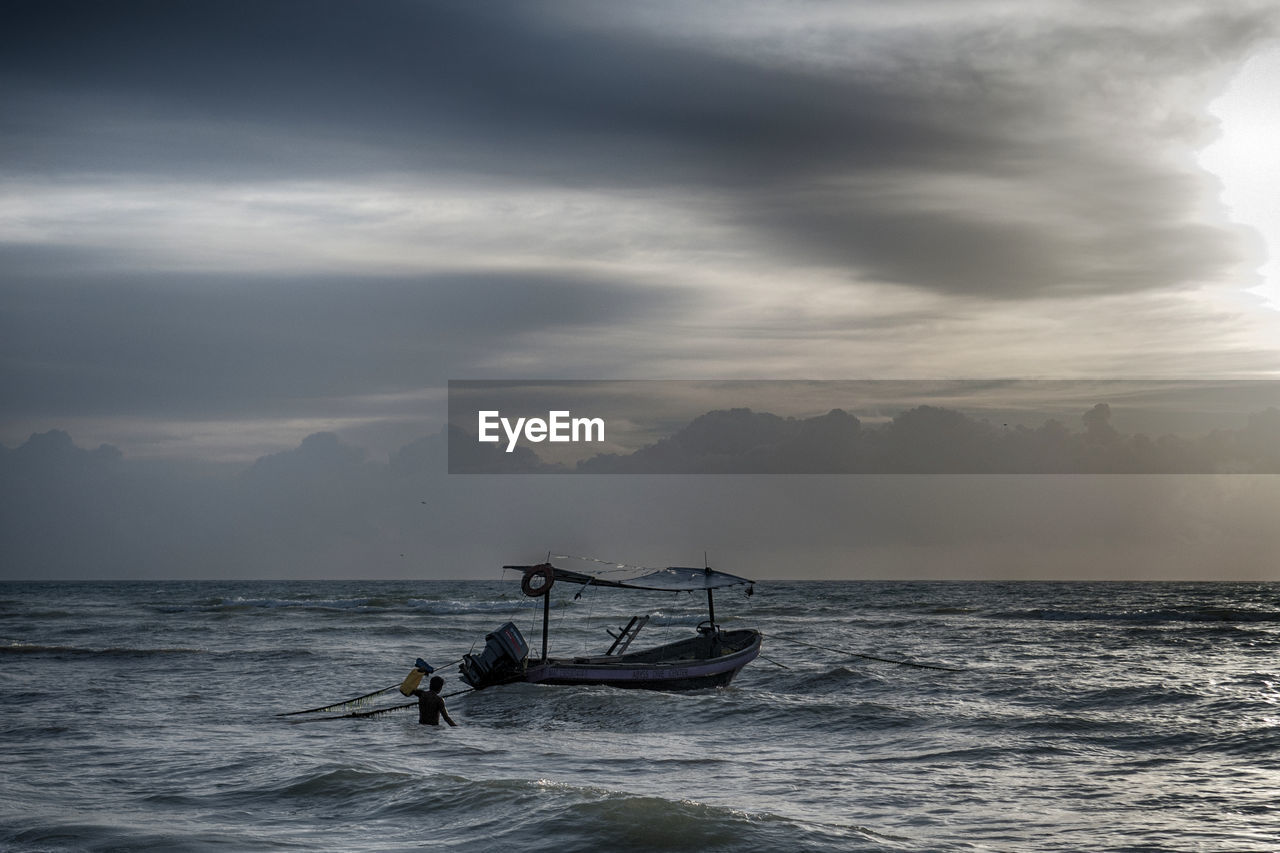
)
(1090, 717)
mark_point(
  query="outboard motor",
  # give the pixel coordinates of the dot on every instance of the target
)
(501, 661)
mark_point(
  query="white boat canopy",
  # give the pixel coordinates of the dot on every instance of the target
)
(670, 579)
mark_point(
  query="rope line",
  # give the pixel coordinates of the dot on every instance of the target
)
(359, 700)
(354, 715)
(358, 714)
(346, 703)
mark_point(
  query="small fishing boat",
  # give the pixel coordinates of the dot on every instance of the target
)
(710, 658)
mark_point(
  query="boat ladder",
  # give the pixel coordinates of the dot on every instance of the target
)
(623, 638)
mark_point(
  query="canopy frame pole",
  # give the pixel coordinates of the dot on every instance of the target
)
(546, 619)
(711, 605)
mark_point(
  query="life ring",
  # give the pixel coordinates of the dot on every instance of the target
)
(544, 571)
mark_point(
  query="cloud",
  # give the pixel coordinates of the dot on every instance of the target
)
(228, 228)
(935, 440)
(324, 510)
(1000, 154)
(218, 346)
(469, 456)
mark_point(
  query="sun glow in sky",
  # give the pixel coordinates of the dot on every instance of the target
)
(1247, 158)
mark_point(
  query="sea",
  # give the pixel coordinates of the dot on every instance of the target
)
(146, 716)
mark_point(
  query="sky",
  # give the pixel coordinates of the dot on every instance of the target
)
(244, 248)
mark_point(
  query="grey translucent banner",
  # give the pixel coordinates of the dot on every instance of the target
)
(864, 427)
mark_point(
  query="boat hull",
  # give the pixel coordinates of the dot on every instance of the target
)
(709, 661)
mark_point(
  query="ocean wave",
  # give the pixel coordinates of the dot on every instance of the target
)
(51, 613)
(662, 619)
(972, 757)
(1126, 696)
(20, 648)
(115, 838)
(371, 604)
(1154, 615)
(1054, 721)
(540, 814)
(1260, 742)
(461, 607)
(828, 715)
(1167, 730)
(251, 604)
(623, 822)
(838, 678)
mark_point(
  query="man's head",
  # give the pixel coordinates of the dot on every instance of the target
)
(436, 683)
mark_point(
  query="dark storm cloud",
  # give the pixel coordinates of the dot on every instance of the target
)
(416, 79)
(190, 345)
(1051, 126)
(1004, 254)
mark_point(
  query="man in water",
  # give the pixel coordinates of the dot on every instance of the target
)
(431, 706)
